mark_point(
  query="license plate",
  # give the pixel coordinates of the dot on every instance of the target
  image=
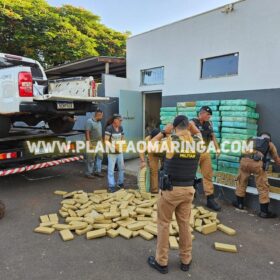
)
(65, 105)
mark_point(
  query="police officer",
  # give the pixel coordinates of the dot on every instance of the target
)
(205, 126)
(254, 162)
(177, 192)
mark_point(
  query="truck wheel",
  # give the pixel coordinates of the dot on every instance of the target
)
(61, 125)
(5, 126)
(2, 209)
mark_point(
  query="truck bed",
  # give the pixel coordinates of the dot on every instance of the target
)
(22, 133)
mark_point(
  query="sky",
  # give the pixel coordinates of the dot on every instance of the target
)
(138, 16)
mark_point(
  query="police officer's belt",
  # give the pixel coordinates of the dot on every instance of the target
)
(182, 183)
(256, 156)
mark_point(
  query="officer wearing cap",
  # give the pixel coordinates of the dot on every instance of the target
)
(254, 162)
(177, 192)
(203, 123)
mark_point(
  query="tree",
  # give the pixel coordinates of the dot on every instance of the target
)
(54, 35)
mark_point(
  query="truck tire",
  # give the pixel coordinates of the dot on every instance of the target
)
(5, 126)
(2, 209)
(61, 125)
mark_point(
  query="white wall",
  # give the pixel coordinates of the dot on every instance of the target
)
(114, 84)
(252, 30)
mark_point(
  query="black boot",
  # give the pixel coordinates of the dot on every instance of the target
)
(185, 267)
(265, 213)
(239, 202)
(154, 264)
(212, 204)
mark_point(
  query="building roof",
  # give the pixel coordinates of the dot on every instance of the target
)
(91, 66)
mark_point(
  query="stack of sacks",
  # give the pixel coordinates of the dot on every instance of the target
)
(187, 108)
(167, 115)
(143, 179)
(239, 122)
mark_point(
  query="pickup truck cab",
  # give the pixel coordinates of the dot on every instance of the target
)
(27, 96)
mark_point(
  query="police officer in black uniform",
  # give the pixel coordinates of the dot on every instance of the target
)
(177, 192)
(203, 123)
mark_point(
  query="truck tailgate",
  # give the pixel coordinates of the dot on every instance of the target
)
(72, 89)
(49, 97)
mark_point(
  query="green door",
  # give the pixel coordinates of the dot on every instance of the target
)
(131, 109)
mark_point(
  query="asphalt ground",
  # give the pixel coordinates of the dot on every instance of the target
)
(28, 255)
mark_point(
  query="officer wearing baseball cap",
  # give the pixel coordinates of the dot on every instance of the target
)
(177, 192)
(206, 109)
(179, 119)
(203, 123)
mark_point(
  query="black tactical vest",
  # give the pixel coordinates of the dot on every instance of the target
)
(182, 167)
(205, 129)
(261, 145)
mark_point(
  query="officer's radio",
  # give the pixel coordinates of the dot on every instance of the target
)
(164, 181)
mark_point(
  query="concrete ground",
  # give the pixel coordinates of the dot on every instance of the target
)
(27, 255)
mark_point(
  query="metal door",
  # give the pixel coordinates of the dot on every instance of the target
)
(131, 109)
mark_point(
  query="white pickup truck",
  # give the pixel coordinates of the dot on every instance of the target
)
(27, 96)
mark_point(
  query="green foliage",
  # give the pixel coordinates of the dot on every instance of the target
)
(53, 35)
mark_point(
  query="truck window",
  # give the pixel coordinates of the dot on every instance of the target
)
(35, 70)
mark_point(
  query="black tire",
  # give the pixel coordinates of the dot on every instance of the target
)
(2, 209)
(59, 125)
(5, 126)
